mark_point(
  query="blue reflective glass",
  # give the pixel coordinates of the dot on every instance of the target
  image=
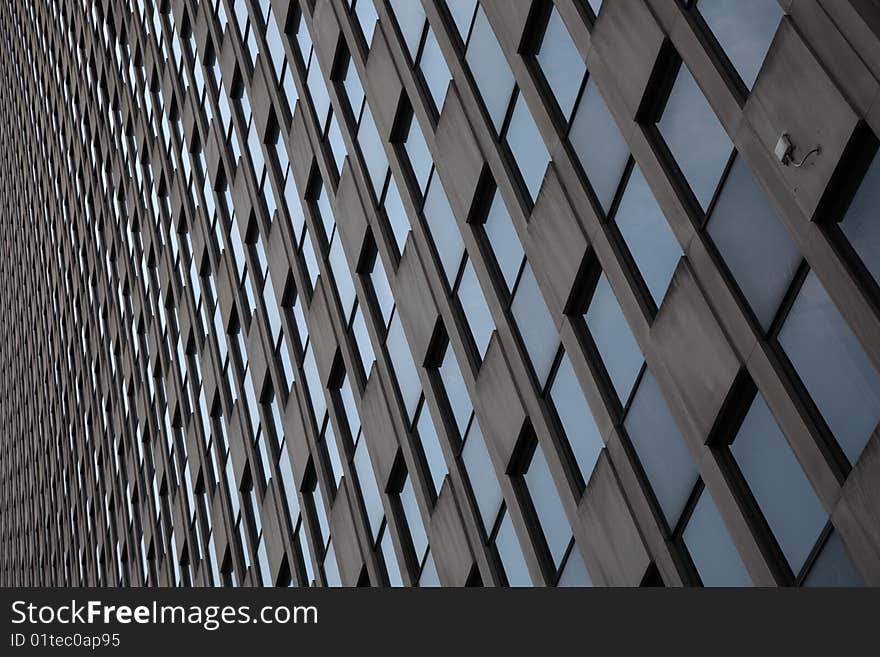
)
(331, 568)
(833, 367)
(320, 97)
(434, 69)
(661, 449)
(711, 548)
(342, 274)
(369, 488)
(431, 447)
(397, 216)
(599, 145)
(481, 472)
(411, 21)
(462, 12)
(617, 346)
(382, 289)
(391, 565)
(527, 146)
(576, 419)
(456, 391)
(561, 63)
(695, 137)
(444, 229)
(753, 243)
(548, 506)
(861, 224)
(833, 566)
(779, 484)
(316, 390)
(648, 236)
(511, 554)
(575, 573)
(362, 338)
(535, 324)
(414, 519)
(429, 577)
(476, 311)
(490, 69)
(367, 17)
(419, 156)
(404, 366)
(504, 241)
(373, 151)
(744, 31)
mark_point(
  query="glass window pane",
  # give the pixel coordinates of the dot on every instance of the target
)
(369, 488)
(598, 144)
(456, 391)
(419, 156)
(833, 566)
(411, 20)
(753, 243)
(391, 565)
(429, 576)
(616, 344)
(528, 147)
(434, 69)
(861, 224)
(561, 63)
(362, 338)
(414, 519)
(462, 15)
(833, 367)
(695, 137)
(481, 472)
(404, 367)
(382, 289)
(575, 573)
(779, 484)
(331, 568)
(744, 31)
(504, 240)
(374, 154)
(511, 554)
(489, 67)
(661, 449)
(535, 324)
(342, 274)
(711, 547)
(397, 216)
(475, 309)
(648, 236)
(444, 229)
(367, 17)
(548, 506)
(431, 447)
(576, 419)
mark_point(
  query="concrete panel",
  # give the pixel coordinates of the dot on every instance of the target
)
(459, 157)
(449, 545)
(611, 543)
(792, 79)
(378, 430)
(557, 244)
(502, 413)
(695, 352)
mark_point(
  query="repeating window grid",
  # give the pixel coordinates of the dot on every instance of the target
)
(160, 306)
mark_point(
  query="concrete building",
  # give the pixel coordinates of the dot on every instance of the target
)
(439, 292)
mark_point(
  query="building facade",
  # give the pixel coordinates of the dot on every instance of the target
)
(440, 292)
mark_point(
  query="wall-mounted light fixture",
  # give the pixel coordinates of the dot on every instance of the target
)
(785, 152)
